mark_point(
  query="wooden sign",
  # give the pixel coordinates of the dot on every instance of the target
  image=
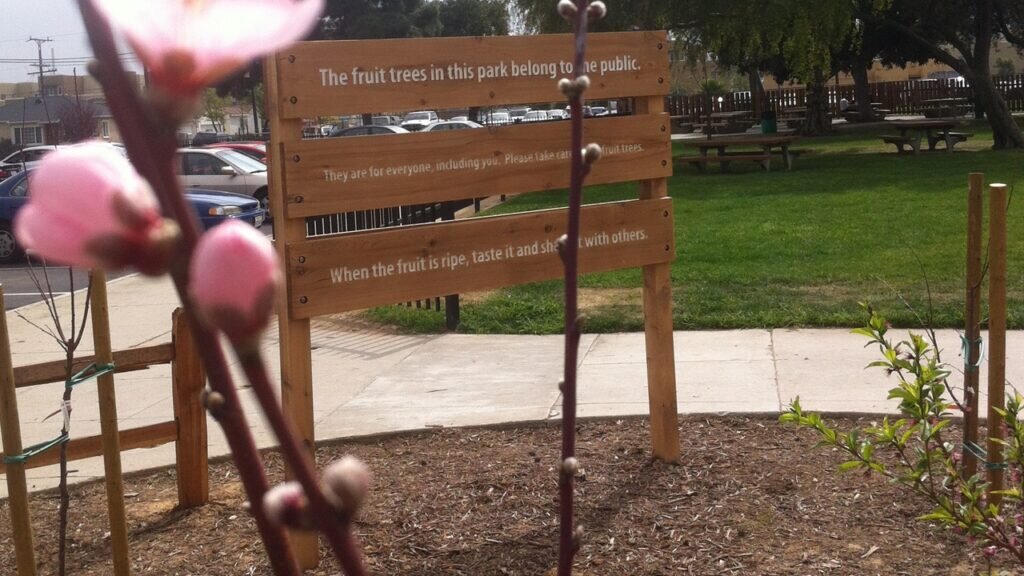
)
(346, 174)
(357, 271)
(353, 77)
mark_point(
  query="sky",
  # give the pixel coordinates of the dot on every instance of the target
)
(56, 19)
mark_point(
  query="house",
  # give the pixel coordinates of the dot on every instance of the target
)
(35, 120)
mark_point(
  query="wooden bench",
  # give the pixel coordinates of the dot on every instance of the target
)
(765, 160)
(954, 137)
(901, 141)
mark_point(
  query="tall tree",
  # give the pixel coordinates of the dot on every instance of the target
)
(541, 16)
(790, 38)
(960, 34)
(473, 17)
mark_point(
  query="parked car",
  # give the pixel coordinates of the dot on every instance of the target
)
(211, 206)
(498, 119)
(535, 116)
(414, 121)
(459, 118)
(204, 138)
(222, 169)
(446, 125)
(255, 150)
(368, 131)
(556, 114)
(517, 114)
(386, 121)
(28, 158)
(598, 111)
(25, 159)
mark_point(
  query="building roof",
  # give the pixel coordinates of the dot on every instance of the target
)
(44, 110)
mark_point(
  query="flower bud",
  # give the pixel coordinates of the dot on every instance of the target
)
(565, 86)
(286, 505)
(234, 280)
(88, 207)
(346, 483)
(567, 9)
(592, 153)
(569, 467)
(583, 83)
(596, 10)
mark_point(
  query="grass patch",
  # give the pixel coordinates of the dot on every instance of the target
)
(853, 222)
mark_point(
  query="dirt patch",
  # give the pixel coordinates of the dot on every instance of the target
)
(751, 498)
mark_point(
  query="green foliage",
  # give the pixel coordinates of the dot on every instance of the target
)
(914, 452)
(1005, 67)
(473, 17)
(213, 107)
(540, 16)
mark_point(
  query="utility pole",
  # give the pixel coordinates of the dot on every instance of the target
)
(41, 67)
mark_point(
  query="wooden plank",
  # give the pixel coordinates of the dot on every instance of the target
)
(382, 267)
(660, 346)
(996, 336)
(191, 452)
(351, 77)
(10, 433)
(124, 361)
(346, 174)
(90, 446)
(110, 438)
(294, 333)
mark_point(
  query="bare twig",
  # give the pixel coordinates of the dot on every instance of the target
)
(569, 534)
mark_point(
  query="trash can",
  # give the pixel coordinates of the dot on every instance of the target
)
(769, 123)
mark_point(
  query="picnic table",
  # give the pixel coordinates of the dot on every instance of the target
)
(769, 144)
(934, 129)
(943, 107)
(730, 122)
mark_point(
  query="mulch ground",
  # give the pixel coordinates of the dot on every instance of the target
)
(751, 497)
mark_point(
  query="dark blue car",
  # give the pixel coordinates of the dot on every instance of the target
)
(211, 206)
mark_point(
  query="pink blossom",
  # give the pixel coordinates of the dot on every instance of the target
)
(189, 44)
(234, 279)
(88, 207)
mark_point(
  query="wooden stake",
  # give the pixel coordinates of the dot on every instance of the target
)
(10, 432)
(108, 426)
(972, 315)
(996, 335)
(661, 364)
(294, 335)
(189, 379)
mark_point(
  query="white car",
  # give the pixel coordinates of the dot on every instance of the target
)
(556, 114)
(498, 119)
(446, 125)
(25, 159)
(28, 158)
(415, 121)
(222, 169)
(535, 116)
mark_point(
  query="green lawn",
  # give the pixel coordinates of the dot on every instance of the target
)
(853, 222)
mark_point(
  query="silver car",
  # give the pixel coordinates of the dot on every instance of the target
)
(222, 169)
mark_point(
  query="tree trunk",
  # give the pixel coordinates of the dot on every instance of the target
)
(757, 96)
(1005, 131)
(862, 92)
(818, 120)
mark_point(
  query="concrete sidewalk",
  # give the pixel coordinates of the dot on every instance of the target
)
(367, 383)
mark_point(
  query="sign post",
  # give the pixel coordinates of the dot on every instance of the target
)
(357, 270)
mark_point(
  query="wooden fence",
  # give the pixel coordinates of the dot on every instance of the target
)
(903, 97)
(187, 429)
